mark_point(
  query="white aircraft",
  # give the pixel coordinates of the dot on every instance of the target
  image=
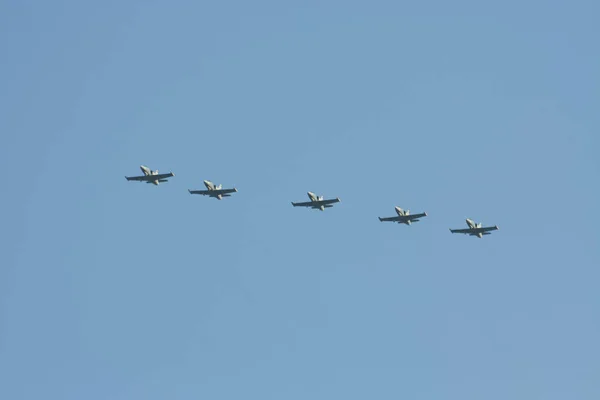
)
(150, 176)
(403, 217)
(317, 202)
(213, 191)
(475, 229)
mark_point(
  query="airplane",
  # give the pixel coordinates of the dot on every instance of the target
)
(150, 176)
(475, 229)
(403, 217)
(213, 191)
(317, 202)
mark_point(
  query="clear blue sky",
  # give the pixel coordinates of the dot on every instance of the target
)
(119, 290)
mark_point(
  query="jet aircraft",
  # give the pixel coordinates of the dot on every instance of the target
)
(475, 229)
(213, 191)
(317, 202)
(404, 217)
(150, 176)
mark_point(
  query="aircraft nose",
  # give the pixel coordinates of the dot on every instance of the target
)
(206, 182)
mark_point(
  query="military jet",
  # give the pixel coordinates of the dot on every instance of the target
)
(404, 217)
(213, 191)
(150, 176)
(475, 229)
(317, 202)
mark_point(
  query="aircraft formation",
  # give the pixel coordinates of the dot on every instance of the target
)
(315, 203)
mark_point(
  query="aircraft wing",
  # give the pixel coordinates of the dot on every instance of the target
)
(202, 192)
(325, 202)
(317, 203)
(394, 219)
(465, 231)
(403, 218)
(136, 178)
(412, 217)
(475, 230)
(304, 204)
(224, 191)
(215, 192)
(149, 178)
(161, 176)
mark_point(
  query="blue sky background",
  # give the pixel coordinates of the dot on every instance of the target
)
(119, 290)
